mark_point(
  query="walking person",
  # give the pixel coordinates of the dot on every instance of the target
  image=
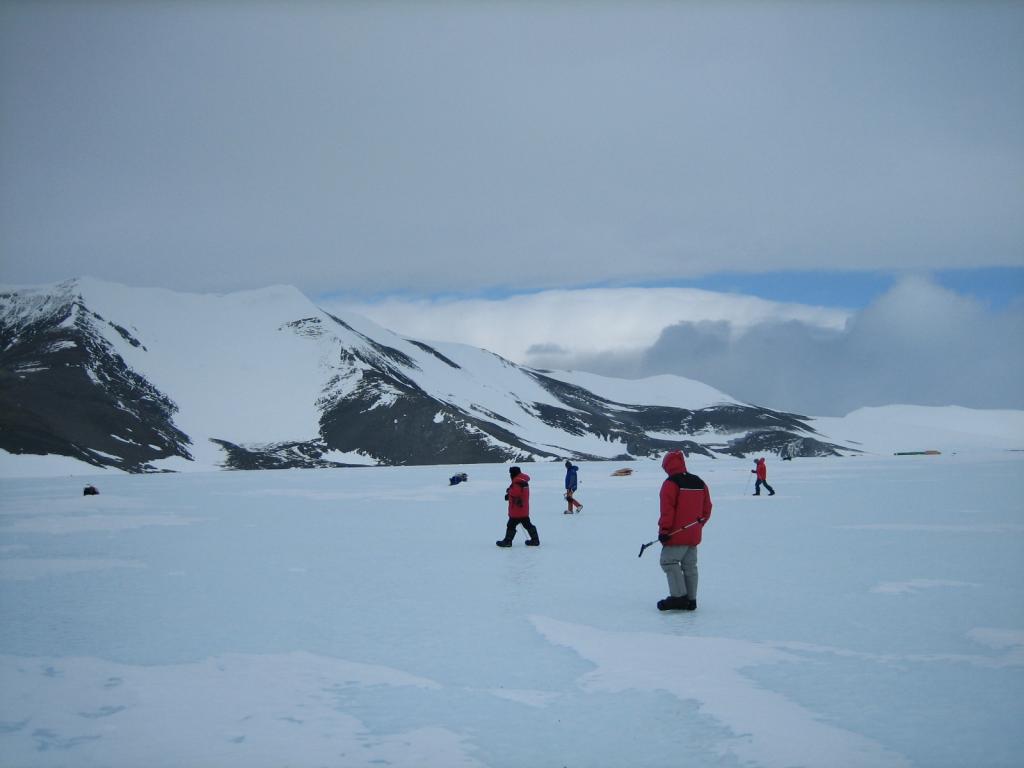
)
(570, 488)
(761, 470)
(518, 497)
(685, 508)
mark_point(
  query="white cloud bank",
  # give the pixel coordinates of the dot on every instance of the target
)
(917, 344)
(558, 328)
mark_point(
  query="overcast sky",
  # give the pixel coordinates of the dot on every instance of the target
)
(445, 157)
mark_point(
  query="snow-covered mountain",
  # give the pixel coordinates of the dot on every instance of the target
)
(149, 380)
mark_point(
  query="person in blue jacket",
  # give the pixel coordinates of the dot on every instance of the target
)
(570, 488)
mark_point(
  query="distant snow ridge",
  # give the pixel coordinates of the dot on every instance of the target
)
(148, 380)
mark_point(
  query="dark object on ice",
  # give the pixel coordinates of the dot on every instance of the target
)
(90, 490)
(918, 453)
(459, 478)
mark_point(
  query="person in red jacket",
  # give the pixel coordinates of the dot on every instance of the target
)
(518, 498)
(685, 508)
(761, 470)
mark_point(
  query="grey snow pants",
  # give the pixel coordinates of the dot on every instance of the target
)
(680, 567)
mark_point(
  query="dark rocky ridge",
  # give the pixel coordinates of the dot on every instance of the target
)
(65, 390)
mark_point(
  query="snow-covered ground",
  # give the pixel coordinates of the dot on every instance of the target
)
(869, 614)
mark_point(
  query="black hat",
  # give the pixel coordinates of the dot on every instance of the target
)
(513, 471)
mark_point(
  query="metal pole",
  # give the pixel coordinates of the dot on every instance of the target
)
(688, 525)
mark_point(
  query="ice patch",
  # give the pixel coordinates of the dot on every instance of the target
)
(916, 585)
(251, 710)
(1013, 656)
(28, 568)
(765, 723)
(937, 528)
(73, 524)
(1011, 640)
(529, 698)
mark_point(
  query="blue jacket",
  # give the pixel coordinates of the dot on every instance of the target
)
(570, 477)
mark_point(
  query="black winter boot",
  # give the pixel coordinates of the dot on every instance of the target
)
(503, 543)
(677, 603)
(673, 604)
(534, 540)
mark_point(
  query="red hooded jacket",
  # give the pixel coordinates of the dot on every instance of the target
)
(762, 470)
(518, 495)
(684, 499)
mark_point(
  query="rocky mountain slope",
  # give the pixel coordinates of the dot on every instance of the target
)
(150, 380)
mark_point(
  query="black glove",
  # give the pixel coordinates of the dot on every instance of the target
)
(506, 497)
(664, 537)
(519, 502)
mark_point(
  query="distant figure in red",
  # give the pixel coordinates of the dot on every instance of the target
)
(518, 498)
(685, 505)
(762, 477)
